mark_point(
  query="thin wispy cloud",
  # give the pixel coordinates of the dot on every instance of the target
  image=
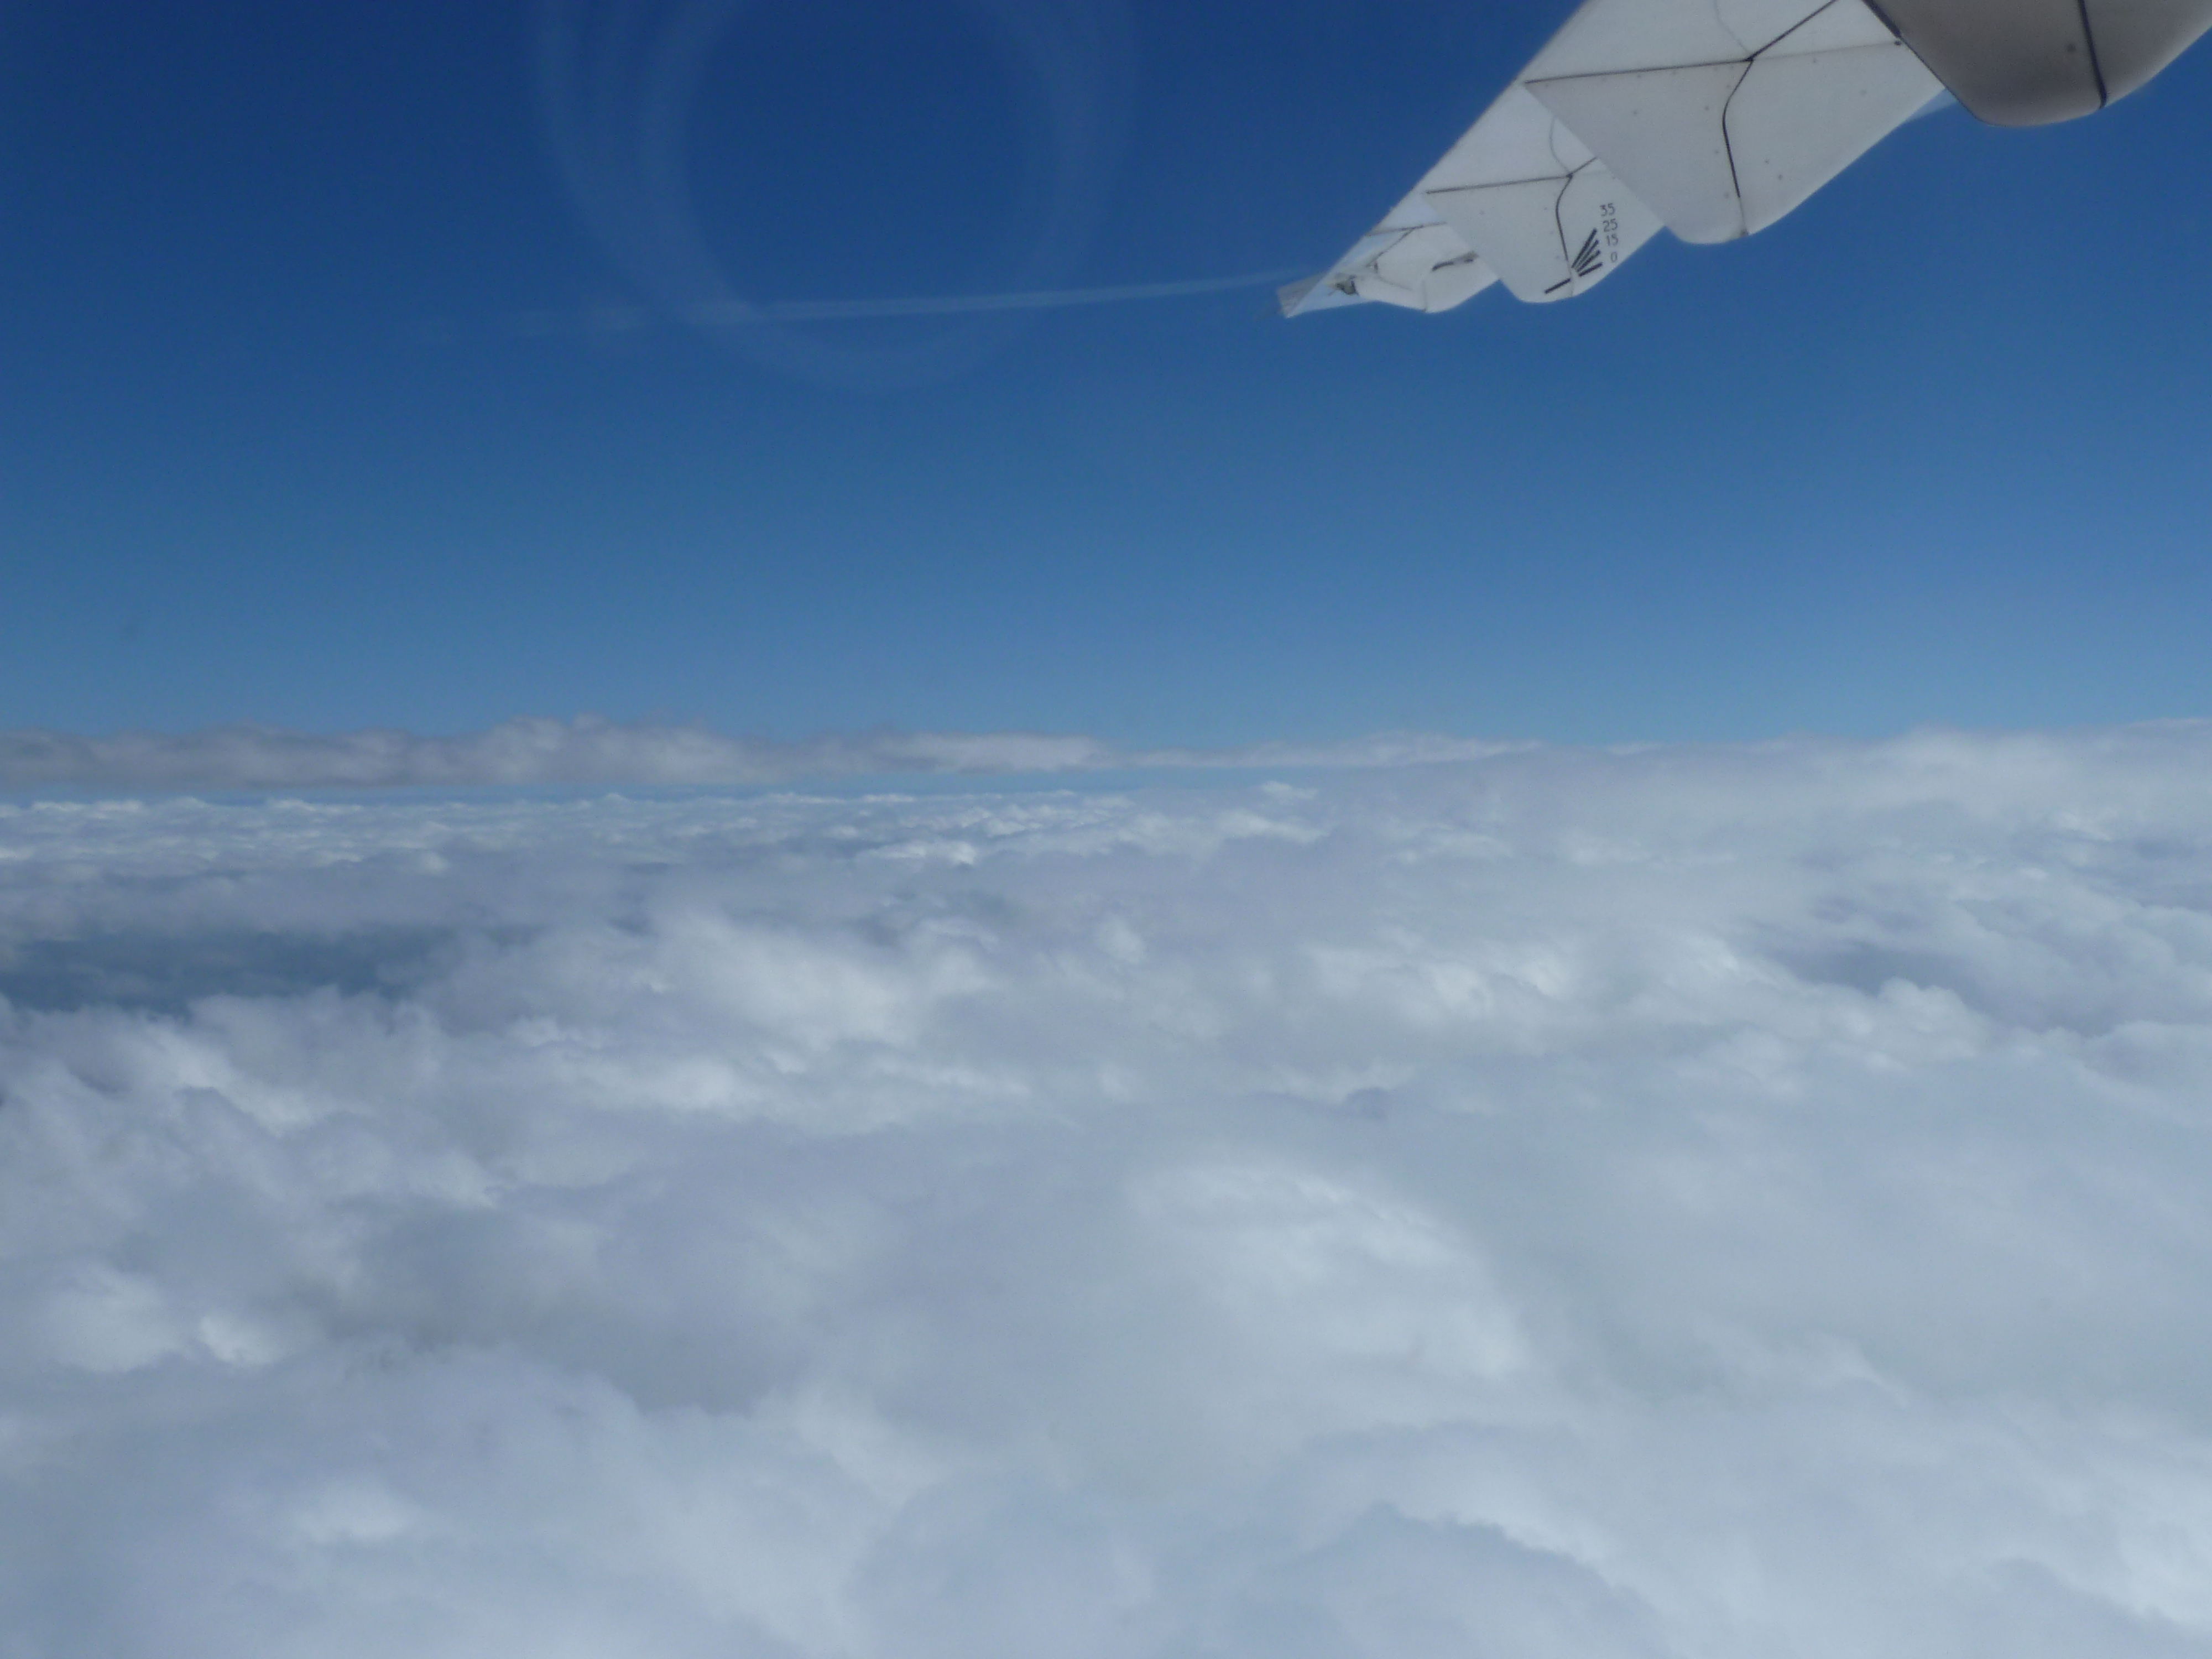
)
(742, 314)
(1696, 1203)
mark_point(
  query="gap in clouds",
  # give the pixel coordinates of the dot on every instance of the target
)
(1672, 1202)
(163, 973)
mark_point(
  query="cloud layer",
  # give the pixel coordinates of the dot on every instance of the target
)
(589, 751)
(1706, 1203)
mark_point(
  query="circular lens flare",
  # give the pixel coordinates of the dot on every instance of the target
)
(619, 81)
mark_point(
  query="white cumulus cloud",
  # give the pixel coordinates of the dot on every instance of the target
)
(1703, 1203)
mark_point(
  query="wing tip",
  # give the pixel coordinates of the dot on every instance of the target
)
(1325, 292)
(1291, 298)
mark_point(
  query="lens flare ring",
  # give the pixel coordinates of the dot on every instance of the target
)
(618, 80)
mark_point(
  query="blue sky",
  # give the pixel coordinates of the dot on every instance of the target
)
(278, 444)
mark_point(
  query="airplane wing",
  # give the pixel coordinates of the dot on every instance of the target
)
(1712, 117)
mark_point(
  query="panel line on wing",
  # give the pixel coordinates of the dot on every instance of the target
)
(1812, 100)
(2096, 69)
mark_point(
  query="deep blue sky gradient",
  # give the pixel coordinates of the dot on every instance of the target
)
(274, 445)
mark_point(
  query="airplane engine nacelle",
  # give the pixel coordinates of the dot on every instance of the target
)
(2026, 63)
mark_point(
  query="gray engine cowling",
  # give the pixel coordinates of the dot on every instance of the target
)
(2026, 63)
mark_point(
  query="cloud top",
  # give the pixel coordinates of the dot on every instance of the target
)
(1683, 1202)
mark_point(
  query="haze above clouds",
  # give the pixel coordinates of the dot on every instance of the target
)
(1709, 1202)
(589, 751)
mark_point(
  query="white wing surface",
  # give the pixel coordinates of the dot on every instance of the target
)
(1714, 118)
(1411, 259)
(1534, 200)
